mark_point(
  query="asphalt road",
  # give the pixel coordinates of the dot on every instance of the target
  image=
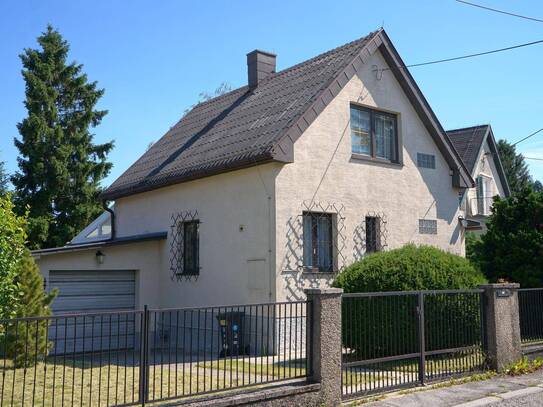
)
(530, 400)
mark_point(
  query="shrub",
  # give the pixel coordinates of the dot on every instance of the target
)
(386, 325)
(12, 247)
(512, 247)
(27, 340)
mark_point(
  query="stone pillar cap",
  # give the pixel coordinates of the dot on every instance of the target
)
(323, 291)
(500, 285)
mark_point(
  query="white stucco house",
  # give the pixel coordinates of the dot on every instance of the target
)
(273, 187)
(477, 148)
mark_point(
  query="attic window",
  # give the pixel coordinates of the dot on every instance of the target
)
(374, 134)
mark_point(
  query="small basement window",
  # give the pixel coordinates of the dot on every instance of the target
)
(427, 227)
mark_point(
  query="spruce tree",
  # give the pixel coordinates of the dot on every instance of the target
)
(60, 168)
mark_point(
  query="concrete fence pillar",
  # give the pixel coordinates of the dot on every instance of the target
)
(501, 325)
(325, 345)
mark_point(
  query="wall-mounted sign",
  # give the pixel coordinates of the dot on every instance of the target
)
(503, 292)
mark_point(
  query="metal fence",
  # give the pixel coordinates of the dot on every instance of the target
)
(530, 302)
(398, 339)
(135, 357)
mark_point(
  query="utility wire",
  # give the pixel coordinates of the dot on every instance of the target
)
(533, 158)
(500, 11)
(528, 136)
(494, 51)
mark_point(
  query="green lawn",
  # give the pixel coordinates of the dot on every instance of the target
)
(74, 384)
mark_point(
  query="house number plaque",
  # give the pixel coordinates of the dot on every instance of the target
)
(504, 292)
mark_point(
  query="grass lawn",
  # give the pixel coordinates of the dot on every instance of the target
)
(75, 383)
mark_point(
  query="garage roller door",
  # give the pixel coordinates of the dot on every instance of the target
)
(82, 292)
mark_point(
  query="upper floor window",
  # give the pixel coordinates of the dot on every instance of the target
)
(484, 194)
(318, 241)
(374, 133)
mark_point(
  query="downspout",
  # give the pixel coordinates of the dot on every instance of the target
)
(112, 216)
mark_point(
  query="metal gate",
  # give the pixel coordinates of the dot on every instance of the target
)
(402, 339)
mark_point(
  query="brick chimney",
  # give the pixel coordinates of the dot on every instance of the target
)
(260, 64)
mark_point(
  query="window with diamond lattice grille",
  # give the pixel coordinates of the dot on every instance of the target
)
(373, 234)
(318, 253)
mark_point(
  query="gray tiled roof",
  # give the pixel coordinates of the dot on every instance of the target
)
(238, 129)
(467, 142)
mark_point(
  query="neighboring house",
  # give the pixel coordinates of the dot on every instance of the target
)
(477, 148)
(273, 187)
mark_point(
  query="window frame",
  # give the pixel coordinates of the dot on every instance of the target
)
(374, 233)
(373, 139)
(315, 267)
(184, 246)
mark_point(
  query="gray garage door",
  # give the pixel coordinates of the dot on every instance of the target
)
(82, 292)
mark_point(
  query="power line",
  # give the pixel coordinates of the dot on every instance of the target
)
(528, 136)
(494, 51)
(500, 11)
(533, 158)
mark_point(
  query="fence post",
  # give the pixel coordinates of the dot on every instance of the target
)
(422, 338)
(325, 337)
(501, 325)
(144, 354)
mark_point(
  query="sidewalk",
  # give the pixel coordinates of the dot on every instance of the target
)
(474, 394)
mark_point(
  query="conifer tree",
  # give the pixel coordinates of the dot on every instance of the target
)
(28, 342)
(60, 168)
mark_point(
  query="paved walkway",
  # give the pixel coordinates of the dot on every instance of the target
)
(525, 390)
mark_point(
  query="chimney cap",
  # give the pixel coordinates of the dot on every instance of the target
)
(259, 51)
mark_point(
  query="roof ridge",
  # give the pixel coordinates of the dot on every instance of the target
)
(290, 68)
(468, 128)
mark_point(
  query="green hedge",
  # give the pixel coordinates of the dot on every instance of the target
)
(383, 326)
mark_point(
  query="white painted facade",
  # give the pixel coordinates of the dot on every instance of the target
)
(250, 235)
(479, 207)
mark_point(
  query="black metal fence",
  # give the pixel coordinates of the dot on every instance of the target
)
(530, 301)
(397, 339)
(135, 357)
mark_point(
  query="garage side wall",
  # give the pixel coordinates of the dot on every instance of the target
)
(143, 258)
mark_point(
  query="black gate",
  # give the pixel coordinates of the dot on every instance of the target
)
(402, 339)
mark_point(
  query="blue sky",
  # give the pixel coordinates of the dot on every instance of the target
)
(154, 58)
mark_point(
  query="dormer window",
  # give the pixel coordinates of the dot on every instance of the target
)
(374, 134)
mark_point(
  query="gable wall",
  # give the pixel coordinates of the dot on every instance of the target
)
(403, 194)
(486, 166)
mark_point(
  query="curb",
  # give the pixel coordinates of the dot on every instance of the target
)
(503, 396)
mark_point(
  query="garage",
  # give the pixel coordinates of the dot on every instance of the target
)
(92, 291)
(95, 293)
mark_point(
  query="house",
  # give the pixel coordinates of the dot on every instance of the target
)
(477, 148)
(273, 187)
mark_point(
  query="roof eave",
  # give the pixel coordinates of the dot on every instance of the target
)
(268, 156)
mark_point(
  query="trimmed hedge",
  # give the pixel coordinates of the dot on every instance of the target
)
(375, 327)
(410, 268)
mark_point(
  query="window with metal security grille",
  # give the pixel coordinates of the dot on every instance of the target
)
(318, 253)
(374, 134)
(190, 242)
(373, 234)
(185, 245)
(427, 227)
(426, 161)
